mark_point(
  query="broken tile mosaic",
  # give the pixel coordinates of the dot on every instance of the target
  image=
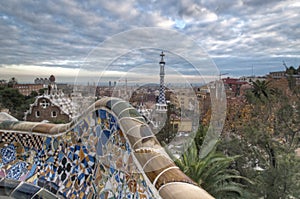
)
(91, 160)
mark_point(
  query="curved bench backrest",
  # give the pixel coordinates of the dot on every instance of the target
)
(108, 152)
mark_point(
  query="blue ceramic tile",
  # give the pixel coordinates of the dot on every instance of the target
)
(102, 114)
(8, 154)
(32, 171)
(104, 136)
(47, 143)
(59, 160)
(98, 131)
(99, 148)
(17, 170)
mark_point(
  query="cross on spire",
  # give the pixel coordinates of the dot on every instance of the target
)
(162, 58)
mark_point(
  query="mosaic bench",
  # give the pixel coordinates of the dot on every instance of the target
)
(108, 152)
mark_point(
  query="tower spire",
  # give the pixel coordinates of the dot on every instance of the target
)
(162, 98)
(162, 106)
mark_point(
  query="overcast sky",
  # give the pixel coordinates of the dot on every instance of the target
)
(39, 38)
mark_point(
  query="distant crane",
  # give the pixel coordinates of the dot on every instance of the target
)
(126, 81)
(221, 74)
(283, 62)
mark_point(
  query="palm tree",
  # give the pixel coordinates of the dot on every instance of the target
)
(261, 89)
(213, 173)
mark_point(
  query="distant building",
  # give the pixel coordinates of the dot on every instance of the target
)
(53, 106)
(282, 74)
(181, 124)
(203, 95)
(26, 89)
(43, 81)
(251, 79)
(66, 88)
(183, 99)
(39, 83)
(233, 85)
(277, 74)
(103, 91)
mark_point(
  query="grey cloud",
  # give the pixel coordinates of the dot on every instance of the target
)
(259, 3)
(38, 31)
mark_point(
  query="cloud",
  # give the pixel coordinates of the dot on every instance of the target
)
(63, 33)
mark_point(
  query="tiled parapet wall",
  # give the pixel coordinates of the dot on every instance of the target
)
(109, 152)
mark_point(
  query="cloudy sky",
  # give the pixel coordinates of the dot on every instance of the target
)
(39, 38)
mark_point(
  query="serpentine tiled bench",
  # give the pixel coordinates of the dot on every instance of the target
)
(108, 152)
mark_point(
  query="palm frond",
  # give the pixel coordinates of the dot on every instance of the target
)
(213, 172)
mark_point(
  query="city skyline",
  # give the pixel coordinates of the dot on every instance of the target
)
(43, 38)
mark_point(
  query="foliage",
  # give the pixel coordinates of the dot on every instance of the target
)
(42, 91)
(260, 89)
(264, 132)
(213, 172)
(291, 72)
(12, 82)
(283, 180)
(16, 102)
